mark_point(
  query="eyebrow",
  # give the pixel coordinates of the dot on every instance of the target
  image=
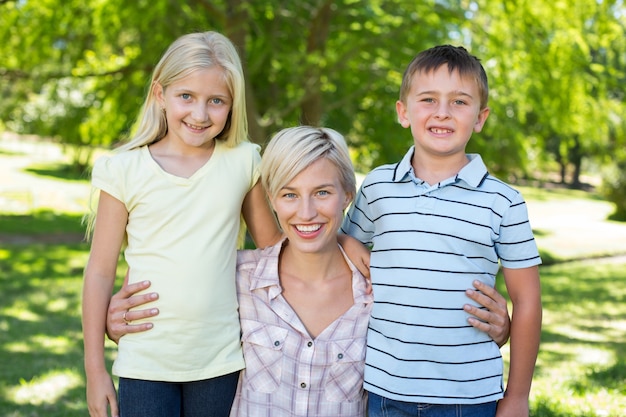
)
(188, 90)
(453, 93)
(329, 185)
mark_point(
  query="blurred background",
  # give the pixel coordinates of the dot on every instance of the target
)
(73, 74)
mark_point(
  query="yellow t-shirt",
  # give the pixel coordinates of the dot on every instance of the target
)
(182, 236)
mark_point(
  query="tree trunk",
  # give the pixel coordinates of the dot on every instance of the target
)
(311, 107)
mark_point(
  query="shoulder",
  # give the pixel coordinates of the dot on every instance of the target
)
(113, 163)
(495, 185)
(382, 173)
(243, 148)
(250, 258)
(247, 258)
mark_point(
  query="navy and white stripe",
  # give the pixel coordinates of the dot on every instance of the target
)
(428, 244)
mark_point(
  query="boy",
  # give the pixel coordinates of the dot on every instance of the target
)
(437, 221)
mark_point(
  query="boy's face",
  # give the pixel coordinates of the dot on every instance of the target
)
(443, 110)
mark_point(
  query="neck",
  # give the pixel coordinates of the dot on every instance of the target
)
(316, 266)
(437, 169)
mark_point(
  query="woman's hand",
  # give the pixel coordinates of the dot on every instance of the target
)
(120, 318)
(495, 320)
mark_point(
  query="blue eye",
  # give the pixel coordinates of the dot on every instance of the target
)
(185, 96)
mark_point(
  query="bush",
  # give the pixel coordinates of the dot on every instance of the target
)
(614, 189)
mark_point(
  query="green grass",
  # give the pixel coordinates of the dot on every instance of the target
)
(581, 370)
(41, 222)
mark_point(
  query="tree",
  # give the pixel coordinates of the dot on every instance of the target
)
(555, 70)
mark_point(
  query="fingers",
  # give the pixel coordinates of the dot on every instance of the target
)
(129, 290)
(121, 314)
(128, 317)
(493, 319)
(125, 299)
(490, 292)
(114, 409)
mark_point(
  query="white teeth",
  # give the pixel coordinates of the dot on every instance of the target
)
(309, 228)
(195, 127)
(435, 130)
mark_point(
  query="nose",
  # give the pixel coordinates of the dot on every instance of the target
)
(307, 209)
(200, 112)
(442, 111)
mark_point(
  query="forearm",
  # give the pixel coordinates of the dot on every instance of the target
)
(95, 304)
(525, 339)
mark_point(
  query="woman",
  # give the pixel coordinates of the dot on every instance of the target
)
(304, 307)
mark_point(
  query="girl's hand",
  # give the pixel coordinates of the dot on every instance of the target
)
(101, 396)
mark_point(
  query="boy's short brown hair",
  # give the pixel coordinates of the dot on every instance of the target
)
(456, 58)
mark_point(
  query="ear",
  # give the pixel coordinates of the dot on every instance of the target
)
(401, 110)
(270, 199)
(348, 200)
(159, 94)
(481, 119)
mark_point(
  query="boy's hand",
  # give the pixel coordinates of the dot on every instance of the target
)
(494, 321)
(513, 407)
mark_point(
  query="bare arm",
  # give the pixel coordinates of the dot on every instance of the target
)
(259, 218)
(358, 253)
(495, 320)
(524, 289)
(97, 287)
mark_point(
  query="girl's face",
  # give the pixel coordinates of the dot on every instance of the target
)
(310, 207)
(196, 107)
(443, 110)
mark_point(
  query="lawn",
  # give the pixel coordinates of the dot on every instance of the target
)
(581, 370)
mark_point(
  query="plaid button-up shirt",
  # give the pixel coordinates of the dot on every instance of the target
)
(288, 373)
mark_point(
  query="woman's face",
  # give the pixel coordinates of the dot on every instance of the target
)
(310, 207)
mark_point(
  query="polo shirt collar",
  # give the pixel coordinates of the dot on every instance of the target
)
(474, 173)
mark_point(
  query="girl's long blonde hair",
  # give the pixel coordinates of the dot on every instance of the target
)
(185, 55)
(189, 53)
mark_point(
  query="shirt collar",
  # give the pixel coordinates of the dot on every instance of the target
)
(266, 275)
(474, 173)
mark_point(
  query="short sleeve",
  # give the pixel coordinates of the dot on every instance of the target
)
(106, 177)
(516, 244)
(255, 158)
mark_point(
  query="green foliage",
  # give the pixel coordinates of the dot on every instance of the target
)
(614, 189)
(556, 69)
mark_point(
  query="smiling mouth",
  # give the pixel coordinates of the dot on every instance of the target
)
(440, 131)
(195, 127)
(310, 228)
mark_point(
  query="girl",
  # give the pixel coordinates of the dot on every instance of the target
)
(174, 196)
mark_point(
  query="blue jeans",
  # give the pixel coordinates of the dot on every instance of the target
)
(384, 407)
(208, 398)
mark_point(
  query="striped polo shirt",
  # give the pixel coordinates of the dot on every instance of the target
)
(429, 242)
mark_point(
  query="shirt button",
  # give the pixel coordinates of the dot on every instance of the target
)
(302, 385)
(276, 343)
(340, 356)
(309, 344)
